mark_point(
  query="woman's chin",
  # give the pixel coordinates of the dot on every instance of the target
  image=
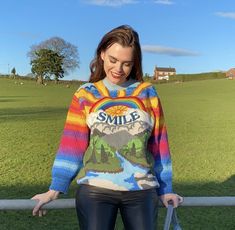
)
(116, 80)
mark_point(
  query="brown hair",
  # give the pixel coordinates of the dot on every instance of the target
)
(125, 36)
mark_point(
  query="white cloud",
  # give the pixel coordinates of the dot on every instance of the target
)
(23, 35)
(112, 3)
(168, 51)
(226, 14)
(28, 35)
(115, 3)
(164, 2)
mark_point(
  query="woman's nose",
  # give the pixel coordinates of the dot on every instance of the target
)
(119, 67)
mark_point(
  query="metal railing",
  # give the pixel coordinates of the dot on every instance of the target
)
(26, 204)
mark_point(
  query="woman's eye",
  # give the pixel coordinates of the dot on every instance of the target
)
(112, 61)
(127, 64)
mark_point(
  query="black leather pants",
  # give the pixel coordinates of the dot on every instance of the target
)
(97, 208)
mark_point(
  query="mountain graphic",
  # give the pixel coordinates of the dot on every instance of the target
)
(118, 139)
(97, 132)
(133, 128)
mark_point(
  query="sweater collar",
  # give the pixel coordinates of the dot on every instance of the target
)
(112, 86)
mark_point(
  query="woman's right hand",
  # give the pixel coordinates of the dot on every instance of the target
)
(42, 199)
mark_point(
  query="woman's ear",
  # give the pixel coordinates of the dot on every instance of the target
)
(102, 55)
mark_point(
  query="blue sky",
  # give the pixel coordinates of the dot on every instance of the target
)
(193, 36)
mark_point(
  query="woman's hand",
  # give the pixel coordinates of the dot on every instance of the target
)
(43, 198)
(171, 197)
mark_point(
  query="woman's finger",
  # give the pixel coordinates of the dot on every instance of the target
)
(178, 200)
(44, 212)
(165, 202)
(37, 208)
(40, 213)
(181, 199)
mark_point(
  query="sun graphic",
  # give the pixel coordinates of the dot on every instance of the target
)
(117, 110)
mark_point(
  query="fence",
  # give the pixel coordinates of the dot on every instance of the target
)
(24, 204)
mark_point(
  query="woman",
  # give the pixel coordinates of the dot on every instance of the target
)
(114, 142)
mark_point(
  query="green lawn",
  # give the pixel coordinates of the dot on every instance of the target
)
(200, 120)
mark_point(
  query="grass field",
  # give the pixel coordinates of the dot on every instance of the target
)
(200, 120)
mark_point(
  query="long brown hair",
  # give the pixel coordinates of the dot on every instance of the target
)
(125, 36)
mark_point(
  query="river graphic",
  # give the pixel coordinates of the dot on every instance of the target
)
(128, 179)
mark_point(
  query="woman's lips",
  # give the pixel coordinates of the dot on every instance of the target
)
(116, 75)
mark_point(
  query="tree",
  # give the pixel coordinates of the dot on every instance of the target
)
(47, 63)
(147, 77)
(133, 150)
(93, 156)
(65, 49)
(13, 72)
(104, 155)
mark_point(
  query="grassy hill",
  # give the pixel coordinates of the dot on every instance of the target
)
(200, 120)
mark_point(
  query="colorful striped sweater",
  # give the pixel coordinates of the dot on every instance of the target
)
(115, 139)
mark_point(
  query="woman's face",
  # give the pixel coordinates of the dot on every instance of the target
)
(118, 62)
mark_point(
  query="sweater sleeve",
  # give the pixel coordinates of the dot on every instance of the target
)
(73, 144)
(159, 147)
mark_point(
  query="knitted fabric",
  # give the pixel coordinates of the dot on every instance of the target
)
(114, 139)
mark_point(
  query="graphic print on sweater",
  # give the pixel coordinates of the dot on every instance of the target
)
(116, 157)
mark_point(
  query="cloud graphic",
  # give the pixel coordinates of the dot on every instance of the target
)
(168, 51)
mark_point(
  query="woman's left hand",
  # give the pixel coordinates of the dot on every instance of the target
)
(171, 197)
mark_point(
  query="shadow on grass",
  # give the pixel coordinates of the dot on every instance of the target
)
(226, 188)
(12, 98)
(64, 219)
(31, 113)
(9, 100)
(208, 218)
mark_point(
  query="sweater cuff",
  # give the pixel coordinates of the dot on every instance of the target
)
(164, 190)
(60, 185)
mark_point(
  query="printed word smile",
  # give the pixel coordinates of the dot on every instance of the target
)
(118, 120)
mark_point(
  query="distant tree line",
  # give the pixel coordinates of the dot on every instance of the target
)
(186, 77)
(198, 76)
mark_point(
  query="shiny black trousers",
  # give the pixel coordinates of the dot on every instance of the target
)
(97, 208)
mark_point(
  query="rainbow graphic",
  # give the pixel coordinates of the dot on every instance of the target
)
(107, 103)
